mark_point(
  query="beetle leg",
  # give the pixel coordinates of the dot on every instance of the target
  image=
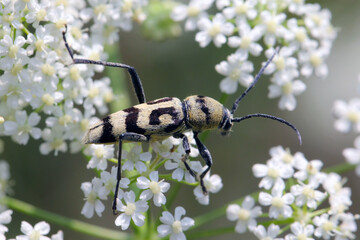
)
(186, 146)
(136, 82)
(205, 154)
(133, 137)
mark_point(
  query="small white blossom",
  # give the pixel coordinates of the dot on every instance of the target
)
(180, 172)
(279, 203)
(271, 233)
(37, 232)
(273, 172)
(272, 24)
(11, 51)
(326, 226)
(53, 141)
(58, 236)
(100, 154)
(5, 218)
(174, 225)
(309, 170)
(212, 183)
(242, 10)
(313, 60)
(244, 215)
(131, 210)
(347, 115)
(23, 126)
(300, 232)
(286, 89)
(94, 193)
(307, 194)
(153, 188)
(135, 158)
(247, 41)
(237, 70)
(347, 227)
(352, 155)
(214, 30)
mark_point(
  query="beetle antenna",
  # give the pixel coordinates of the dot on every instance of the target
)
(257, 77)
(270, 117)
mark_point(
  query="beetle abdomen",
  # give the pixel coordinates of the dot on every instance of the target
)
(156, 119)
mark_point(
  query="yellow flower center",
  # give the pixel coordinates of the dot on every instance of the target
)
(301, 236)
(39, 44)
(214, 30)
(74, 73)
(280, 62)
(94, 56)
(353, 116)
(64, 120)
(154, 187)
(127, 6)
(16, 69)
(91, 198)
(328, 226)
(100, 9)
(241, 8)
(271, 25)
(35, 235)
(48, 99)
(315, 60)
(310, 169)
(176, 226)
(8, 18)
(277, 202)
(40, 15)
(300, 35)
(65, 3)
(245, 42)
(2, 120)
(288, 158)
(287, 88)
(84, 124)
(130, 209)
(76, 32)
(235, 74)
(244, 214)
(47, 69)
(99, 152)
(273, 173)
(193, 11)
(108, 97)
(13, 50)
(57, 143)
(93, 92)
(308, 192)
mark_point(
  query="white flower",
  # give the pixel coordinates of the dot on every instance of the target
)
(300, 232)
(272, 172)
(194, 152)
(325, 226)
(347, 114)
(58, 236)
(153, 188)
(278, 202)
(192, 12)
(180, 172)
(286, 89)
(53, 140)
(131, 210)
(22, 127)
(94, 193)
(5, 218)
(347, 227)
(100, 154)
(110, 179)
(214, 30)
(242, 10)
(237, 70)
(164, 147)
(247, 41)
(352, 155)
(174, 225)
(308, 170)
(37, 232)
(273, 26)
(271, 233)
(212, 183)
(307, 194)
(278, 153)
(314, 60)
(244, 215)
(11, 50)
(135, 158)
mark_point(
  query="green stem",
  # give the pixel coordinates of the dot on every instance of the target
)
(75, 225)
(340, 168)
(210, 233)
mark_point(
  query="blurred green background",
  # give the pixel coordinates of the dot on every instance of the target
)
(179, 67)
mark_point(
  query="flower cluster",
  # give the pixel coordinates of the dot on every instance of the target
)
(39, 231)
(4, 181)
(142, 184)
(42, 95)
(302, 30)
(294, 192)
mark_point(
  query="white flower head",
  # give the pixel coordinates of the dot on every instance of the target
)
(307, 194)
(213, 184)
(237, 70)
(5, 218)
(279, 203)
(153, 188)
(37, 232)
(273, 172)
(244, 215)
(326, 226)
(130, 210)
(347, 115)
(179, 170)
(242, 10)
(175, 225)
(94, 193)
(271, 233)
(300, 232)
(100, 154)
(352, 155)
(247, 39)
(214, 30)
(110, 179)
(136, 158)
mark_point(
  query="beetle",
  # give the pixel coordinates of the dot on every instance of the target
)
(165, 117)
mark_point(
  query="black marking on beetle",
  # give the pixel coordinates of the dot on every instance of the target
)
(165, 99)
(204, 108)
(107, 134)
(155, 114)
(131, 121)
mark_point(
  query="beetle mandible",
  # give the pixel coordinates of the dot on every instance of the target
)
(165, 117)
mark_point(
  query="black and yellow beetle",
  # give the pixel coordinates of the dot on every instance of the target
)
(165, 117)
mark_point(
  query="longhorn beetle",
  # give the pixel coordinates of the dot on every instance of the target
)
(165, 117)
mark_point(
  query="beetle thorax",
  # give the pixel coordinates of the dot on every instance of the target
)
(203, 113)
